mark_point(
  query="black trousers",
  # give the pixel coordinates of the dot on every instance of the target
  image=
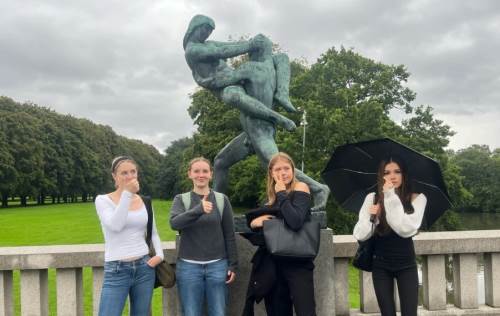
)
(294, 286)
(407, 281)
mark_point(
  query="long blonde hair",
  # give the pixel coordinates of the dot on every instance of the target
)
(271, 193)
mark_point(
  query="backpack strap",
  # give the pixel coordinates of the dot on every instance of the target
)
(219, 200)
(186, 200)
(147, 203)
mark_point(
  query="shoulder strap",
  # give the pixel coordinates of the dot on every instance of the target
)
(149, 208)
(186, 200)
(219, 200)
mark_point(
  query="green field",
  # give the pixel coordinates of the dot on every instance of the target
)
(58, 224)
(77, 223)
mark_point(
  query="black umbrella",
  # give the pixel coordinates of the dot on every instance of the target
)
(351, 174)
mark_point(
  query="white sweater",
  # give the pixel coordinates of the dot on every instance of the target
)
(403, 224)
(124, 230)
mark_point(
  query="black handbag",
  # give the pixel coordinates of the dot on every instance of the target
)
(363, 259)
(165, 273)
(282, 241)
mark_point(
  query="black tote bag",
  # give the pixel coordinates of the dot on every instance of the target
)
(282, 241)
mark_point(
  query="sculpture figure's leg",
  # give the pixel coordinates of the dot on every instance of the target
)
(282, 94)
(236, 150)
(261, 135)
(236, 96)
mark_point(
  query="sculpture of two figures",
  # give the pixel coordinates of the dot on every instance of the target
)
(252, 87)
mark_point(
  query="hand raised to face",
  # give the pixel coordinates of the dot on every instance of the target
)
(132, 186)
(279, 185)
(388, 185)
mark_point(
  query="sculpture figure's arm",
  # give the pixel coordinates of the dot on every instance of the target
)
(217, 50)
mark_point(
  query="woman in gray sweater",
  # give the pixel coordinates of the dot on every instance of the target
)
(207, 257)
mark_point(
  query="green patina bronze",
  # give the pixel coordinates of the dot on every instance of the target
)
(252, 87)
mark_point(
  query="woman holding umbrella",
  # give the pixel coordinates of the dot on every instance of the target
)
(391, 216)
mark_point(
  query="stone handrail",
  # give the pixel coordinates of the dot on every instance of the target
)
(331, 276)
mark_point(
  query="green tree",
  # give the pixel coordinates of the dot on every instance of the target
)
(172, 174)
(8, 172)
(22, 135)
(44, 153)
(480, 169)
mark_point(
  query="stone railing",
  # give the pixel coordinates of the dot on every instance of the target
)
(331, 276)
(463, 246)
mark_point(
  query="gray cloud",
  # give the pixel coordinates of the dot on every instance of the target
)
(121, 63)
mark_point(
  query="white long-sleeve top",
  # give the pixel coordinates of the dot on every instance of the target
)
(403, 224)
(125, 230)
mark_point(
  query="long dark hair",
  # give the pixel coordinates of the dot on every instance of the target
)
(404, 191)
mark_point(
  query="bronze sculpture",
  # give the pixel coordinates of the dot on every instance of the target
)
(252, 87)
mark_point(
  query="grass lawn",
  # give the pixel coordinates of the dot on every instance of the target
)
(59, 224)
(77, 223)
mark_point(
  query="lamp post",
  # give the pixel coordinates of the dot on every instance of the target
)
(303, 123)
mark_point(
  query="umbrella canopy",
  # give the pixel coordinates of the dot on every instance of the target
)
(351, 174)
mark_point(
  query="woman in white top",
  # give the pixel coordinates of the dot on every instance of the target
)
(392, 216)
(128, 270)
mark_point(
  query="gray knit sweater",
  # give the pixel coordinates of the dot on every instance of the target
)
(204, 236)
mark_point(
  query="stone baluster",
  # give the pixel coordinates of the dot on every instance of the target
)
(367, 299)
(341, 272)
(171, 304)
(465, 280)
(34, 292)
(6, 301)
(492, 278)
(97, 278)
(69, 291)
(434, 282)
(324, 272)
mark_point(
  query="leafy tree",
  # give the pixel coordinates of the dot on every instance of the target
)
(8, 172)
(480, 170)
(44, 153)
(172, 174)
(23, 141)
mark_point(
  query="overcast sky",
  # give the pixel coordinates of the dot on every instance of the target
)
(121, 63)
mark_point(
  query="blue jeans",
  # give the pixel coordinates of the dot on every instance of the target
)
(195, 282)
(123, 278)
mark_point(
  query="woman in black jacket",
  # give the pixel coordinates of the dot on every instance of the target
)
(284, 283)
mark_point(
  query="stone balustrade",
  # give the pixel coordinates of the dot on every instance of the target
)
(463, 246)
(331, 276)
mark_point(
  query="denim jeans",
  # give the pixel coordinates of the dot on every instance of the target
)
(195, 282)
(121, 279)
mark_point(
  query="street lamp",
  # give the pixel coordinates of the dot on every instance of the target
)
(303, 123)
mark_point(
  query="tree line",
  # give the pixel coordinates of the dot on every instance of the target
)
(59, 158)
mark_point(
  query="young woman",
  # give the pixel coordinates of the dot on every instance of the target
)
(207, 258)
(128, 270)
(293, 286)
(392, 219)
